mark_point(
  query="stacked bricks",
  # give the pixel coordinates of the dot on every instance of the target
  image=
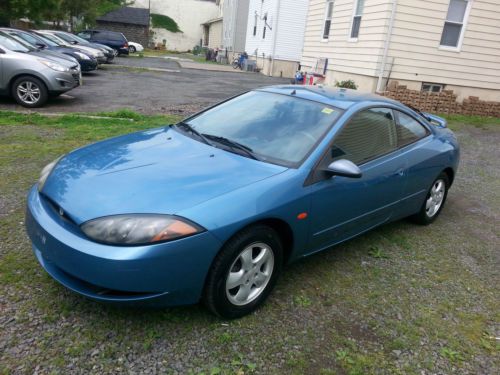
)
(442, 102)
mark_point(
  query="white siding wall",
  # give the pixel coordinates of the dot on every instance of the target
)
(362, 57)
(415, 45)
(290, 30)
(288, 26)
(235, 24)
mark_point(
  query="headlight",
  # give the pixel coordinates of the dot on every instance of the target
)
(82, 56)
(54, 66)
(138, 229)
(46, 172)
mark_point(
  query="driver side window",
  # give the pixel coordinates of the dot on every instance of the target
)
(369, 134)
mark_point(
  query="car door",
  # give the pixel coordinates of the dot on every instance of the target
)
(343, 207)
(412, 138)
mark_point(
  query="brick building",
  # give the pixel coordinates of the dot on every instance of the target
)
(132, 22)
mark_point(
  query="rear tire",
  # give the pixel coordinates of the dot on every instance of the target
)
(434, 201)
(244, 273)
(131, 49)
(30, 92)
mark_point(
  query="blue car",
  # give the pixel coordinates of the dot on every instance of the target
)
(210, 209)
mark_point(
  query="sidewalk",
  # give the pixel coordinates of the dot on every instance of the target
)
(190, 64)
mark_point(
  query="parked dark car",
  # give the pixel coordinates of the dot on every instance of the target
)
(113, 39)
(74, 40)
(86, 60)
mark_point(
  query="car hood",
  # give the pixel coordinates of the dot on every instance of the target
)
(158, 171)
(58, 54)
(59, 58)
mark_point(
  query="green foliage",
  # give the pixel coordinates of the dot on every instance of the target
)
(347, 84)
(164, 22)
(56, 11)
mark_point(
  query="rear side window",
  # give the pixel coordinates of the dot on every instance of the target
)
(369, 134)
(409, 130)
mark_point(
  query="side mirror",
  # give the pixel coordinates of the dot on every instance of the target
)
(344, 168)
(74, 42)
(41, 45)
(2, 51)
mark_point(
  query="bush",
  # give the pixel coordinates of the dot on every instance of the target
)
(348, 84)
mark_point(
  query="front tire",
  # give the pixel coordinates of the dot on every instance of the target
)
(434, 201)
(244, 273)
(30, 92)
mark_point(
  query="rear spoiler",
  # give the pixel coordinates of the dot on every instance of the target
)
(435, 120)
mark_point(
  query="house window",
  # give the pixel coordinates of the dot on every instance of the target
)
(432, 87)
(328, 19)
(455, 21)
(356, 20)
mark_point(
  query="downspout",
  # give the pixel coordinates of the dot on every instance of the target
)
(275, 37)
(387, 45)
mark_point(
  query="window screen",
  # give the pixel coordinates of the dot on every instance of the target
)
(356, 22)
(409, 130)
(453, 27)
(369, 134)
(328, 19)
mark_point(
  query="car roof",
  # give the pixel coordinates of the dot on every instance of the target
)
(337, 97)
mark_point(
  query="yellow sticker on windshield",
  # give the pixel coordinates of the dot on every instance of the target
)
(328, 111)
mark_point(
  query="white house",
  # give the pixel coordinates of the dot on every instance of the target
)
(235, 23)
(427, 45)
(275, 35)
(189, 15)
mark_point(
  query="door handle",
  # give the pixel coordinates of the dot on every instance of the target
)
(401, 172)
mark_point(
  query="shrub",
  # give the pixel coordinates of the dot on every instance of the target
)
(347, 84)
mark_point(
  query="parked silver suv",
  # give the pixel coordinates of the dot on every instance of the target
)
(30, 76)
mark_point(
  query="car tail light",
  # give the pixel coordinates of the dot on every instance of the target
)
(125, 45)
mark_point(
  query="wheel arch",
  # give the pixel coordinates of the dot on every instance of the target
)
(19, 75)
(450, 173)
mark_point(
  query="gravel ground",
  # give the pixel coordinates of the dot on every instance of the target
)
(112, 88)
(402, 299)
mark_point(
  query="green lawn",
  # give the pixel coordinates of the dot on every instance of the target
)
(402, 299)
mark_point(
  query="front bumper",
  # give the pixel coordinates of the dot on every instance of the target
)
(172, 273)
(62, 81)
(88, 65)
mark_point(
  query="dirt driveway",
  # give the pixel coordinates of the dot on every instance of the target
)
(163, 89)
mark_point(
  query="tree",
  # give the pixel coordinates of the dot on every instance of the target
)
(56, 11)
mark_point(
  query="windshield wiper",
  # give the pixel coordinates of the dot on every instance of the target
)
(233, 144)
(418, 111)
(192, 130)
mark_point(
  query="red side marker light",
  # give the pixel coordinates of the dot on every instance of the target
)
(302, 216)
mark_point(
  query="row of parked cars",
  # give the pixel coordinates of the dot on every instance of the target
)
(38, 64)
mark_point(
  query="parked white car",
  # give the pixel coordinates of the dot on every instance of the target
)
(135, 47)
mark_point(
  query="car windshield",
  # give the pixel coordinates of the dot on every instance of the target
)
(276, 128)
(55, 39)
(42, 39)
(14, 45)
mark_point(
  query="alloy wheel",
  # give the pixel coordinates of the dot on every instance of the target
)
(29, 92)
(249, 274)
(435, 199)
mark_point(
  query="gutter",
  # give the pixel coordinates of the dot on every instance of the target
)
(275, 37)
(387, 45)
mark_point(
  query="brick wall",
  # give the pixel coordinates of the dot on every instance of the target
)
(442, 102)
(133, 33)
